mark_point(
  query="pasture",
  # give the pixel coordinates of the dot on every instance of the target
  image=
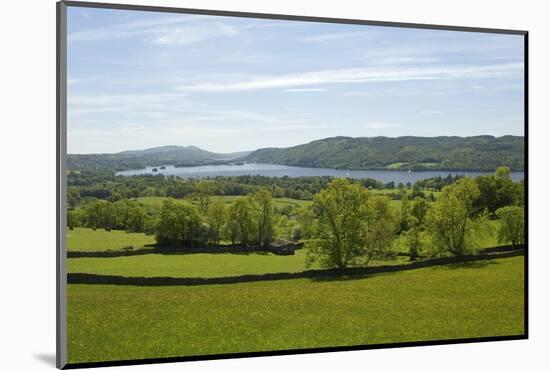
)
(467, 300)
(88, 240)
(200, 264)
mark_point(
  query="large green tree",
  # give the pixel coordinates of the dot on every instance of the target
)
(451, 220)
(100, 214)
(262, 204)
(306, 219)
(413, 237)
(497, 191)
(352, 229)
(419, 209)
(217, 217)
(205, 190)
(241, 218)
(512, 227)
(179, 225)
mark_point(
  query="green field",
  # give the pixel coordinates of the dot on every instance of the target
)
(190, 265)
(199, 264)
(108, 322)
(84, 239)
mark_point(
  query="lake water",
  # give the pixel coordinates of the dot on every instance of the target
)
(275, 170)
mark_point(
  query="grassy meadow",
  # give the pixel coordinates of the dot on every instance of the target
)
(200, 264)
(86, 240)
(108, 322)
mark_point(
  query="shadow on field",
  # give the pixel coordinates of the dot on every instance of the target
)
(167, 251)
(471, 264)
(474, 261)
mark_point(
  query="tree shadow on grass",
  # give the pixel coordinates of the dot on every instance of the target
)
(330, 279)
(388, 269)
(186, 253)
(470, 264)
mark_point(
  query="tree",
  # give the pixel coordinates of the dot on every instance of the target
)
(380, 227)
(73, 197)
(74, 218)
(503, 172)
(512, 227)
(352, 227)
(129, 215)
(179, 225)
(242, 214)
(413, 237)
(263, 207)
(405, 212)
(231, 230)
(419, 208)
(497, 191)
(306, 218)
(136, 218)
(100, 214)
(216, 218)
(205, 190)
(451, 221)
(296, 232)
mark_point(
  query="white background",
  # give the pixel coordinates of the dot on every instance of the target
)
(27, 182)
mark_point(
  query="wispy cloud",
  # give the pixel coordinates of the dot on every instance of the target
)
(339, 36)
(304, 90)
(354, 75)
(162, 31)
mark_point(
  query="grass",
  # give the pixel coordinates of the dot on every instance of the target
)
(108, 322)
(198, 265)
(189, 265)
(84, 239)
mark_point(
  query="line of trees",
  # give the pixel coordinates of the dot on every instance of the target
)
(86, 186)
(346, 225)
(124, 214)
(354, 226)
(246, 221)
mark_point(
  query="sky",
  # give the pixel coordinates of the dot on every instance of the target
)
(138, 80)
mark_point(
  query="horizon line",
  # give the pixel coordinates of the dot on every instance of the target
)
(291, 146)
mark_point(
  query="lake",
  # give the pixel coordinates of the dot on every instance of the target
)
(275, 170)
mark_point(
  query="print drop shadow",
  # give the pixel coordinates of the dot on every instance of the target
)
(46, 358)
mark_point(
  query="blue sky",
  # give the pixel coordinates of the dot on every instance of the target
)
(143, 79)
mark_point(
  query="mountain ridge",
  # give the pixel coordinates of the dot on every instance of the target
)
(475, 153)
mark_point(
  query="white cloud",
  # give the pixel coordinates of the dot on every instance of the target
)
(178, 30)
(340, 36)
(354, 75)
(191, 35)
(305, 90)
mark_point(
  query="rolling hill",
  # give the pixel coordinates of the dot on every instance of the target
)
(476, 153)
(134, 159)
